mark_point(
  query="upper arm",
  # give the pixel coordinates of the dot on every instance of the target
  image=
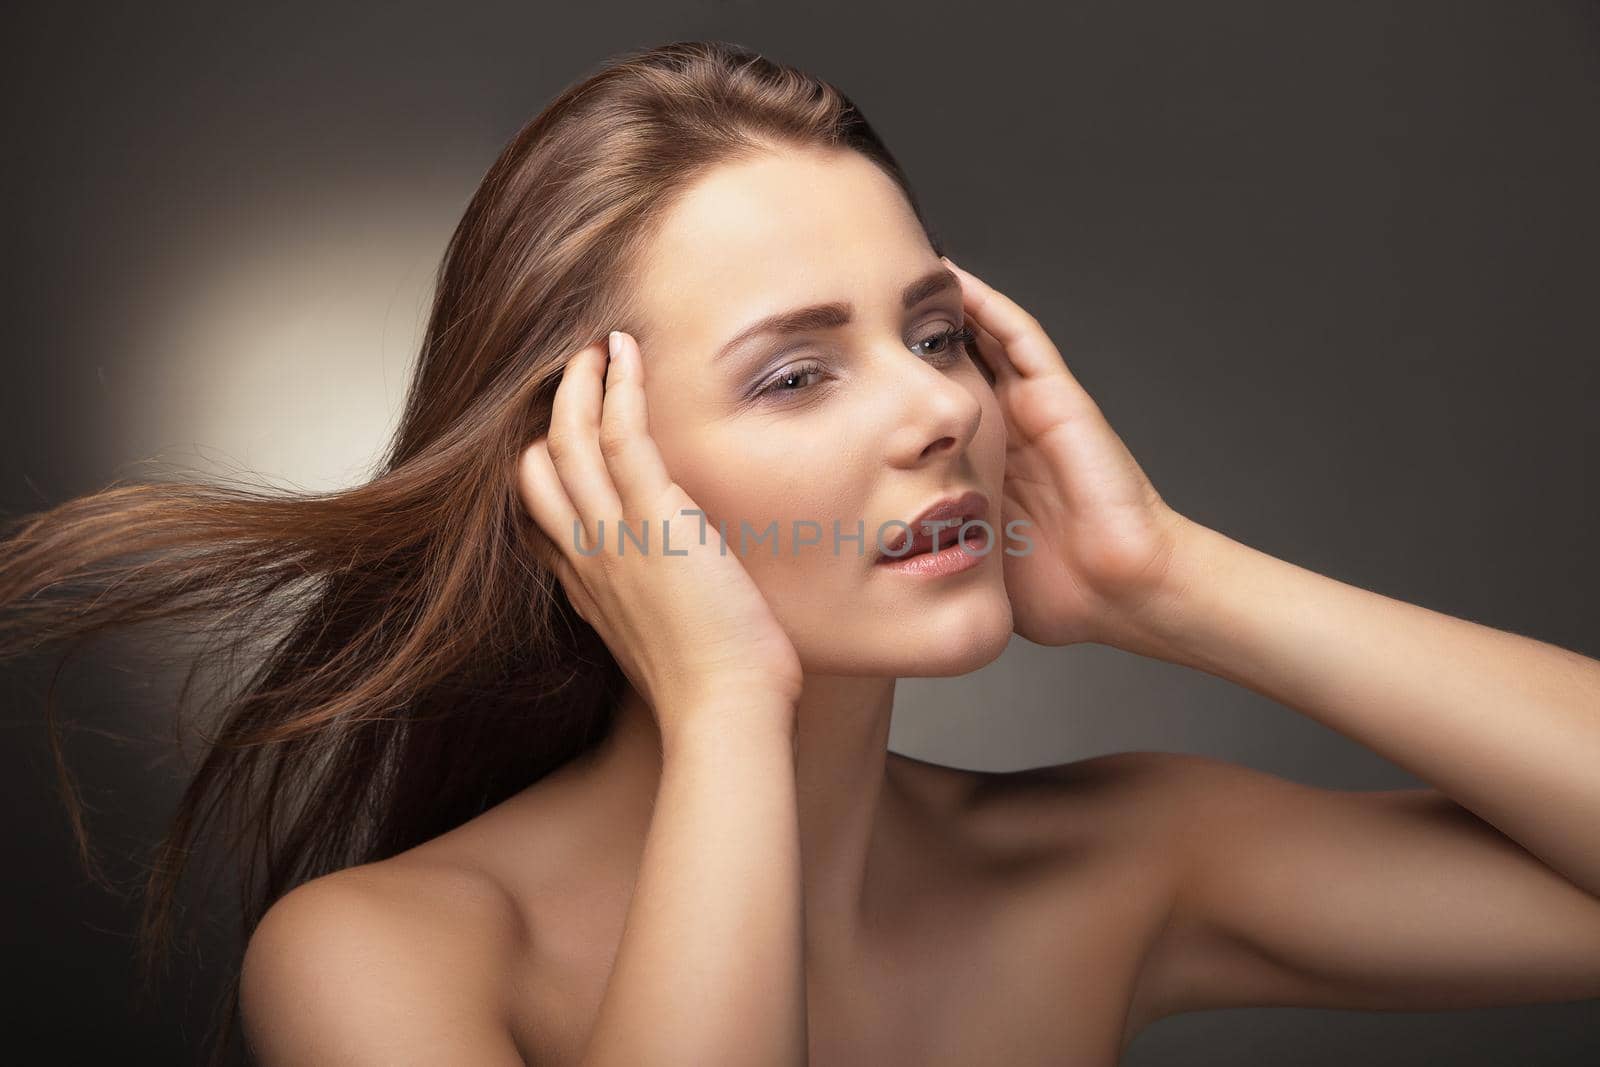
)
(340, 971)
(1398, 900)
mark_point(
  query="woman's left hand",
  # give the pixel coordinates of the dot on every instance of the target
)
(1103, 539)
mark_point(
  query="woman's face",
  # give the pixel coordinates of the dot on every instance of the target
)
(866, 422)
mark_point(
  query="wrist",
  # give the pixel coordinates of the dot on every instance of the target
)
(728, 719)
(1156, 623)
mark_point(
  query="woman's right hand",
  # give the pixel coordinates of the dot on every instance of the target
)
(688, 630)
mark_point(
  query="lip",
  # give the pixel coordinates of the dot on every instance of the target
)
(964, 506)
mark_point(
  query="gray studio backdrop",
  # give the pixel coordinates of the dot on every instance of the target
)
(1328, 268)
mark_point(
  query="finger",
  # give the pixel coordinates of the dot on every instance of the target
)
(637, 469)
(577, 593)
(552, 512)
(993, 354)
(561, 574)
(545, 500)
(1027, 346)
(574, 441)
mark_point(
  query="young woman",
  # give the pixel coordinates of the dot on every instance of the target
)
(515, 785)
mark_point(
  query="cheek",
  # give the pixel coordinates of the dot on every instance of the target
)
(788, 480)
(759, 483)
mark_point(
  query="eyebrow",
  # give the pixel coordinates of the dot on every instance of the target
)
(838, 313)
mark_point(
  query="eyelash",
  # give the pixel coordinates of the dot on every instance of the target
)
(956, 340)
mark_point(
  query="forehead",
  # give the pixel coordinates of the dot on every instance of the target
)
(774, 232)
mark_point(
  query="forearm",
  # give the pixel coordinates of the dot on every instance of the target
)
(1507, 726)
(710, 968)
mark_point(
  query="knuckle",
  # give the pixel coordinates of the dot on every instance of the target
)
(526, 459)
(613, 443)
(603, 562)
(528, 496)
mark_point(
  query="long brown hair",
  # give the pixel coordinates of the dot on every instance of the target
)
(393, 658)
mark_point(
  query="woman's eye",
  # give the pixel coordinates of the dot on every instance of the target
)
(952, 341)
(789, 379)
(948, 343)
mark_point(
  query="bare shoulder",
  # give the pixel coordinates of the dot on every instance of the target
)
(337, 968)
(1082, 862)
(1131, 798)
(1141, 815)
(1036, 803)
(1115, 825)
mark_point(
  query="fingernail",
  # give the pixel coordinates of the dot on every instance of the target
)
(613, 344)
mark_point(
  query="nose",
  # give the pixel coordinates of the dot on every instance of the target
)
(934, 412)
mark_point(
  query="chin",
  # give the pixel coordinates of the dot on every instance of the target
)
(977, 641)
(928, 647)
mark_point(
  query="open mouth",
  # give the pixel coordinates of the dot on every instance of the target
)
(950, 539)
(944, 525)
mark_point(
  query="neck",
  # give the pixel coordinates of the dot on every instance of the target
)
(841, 749)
